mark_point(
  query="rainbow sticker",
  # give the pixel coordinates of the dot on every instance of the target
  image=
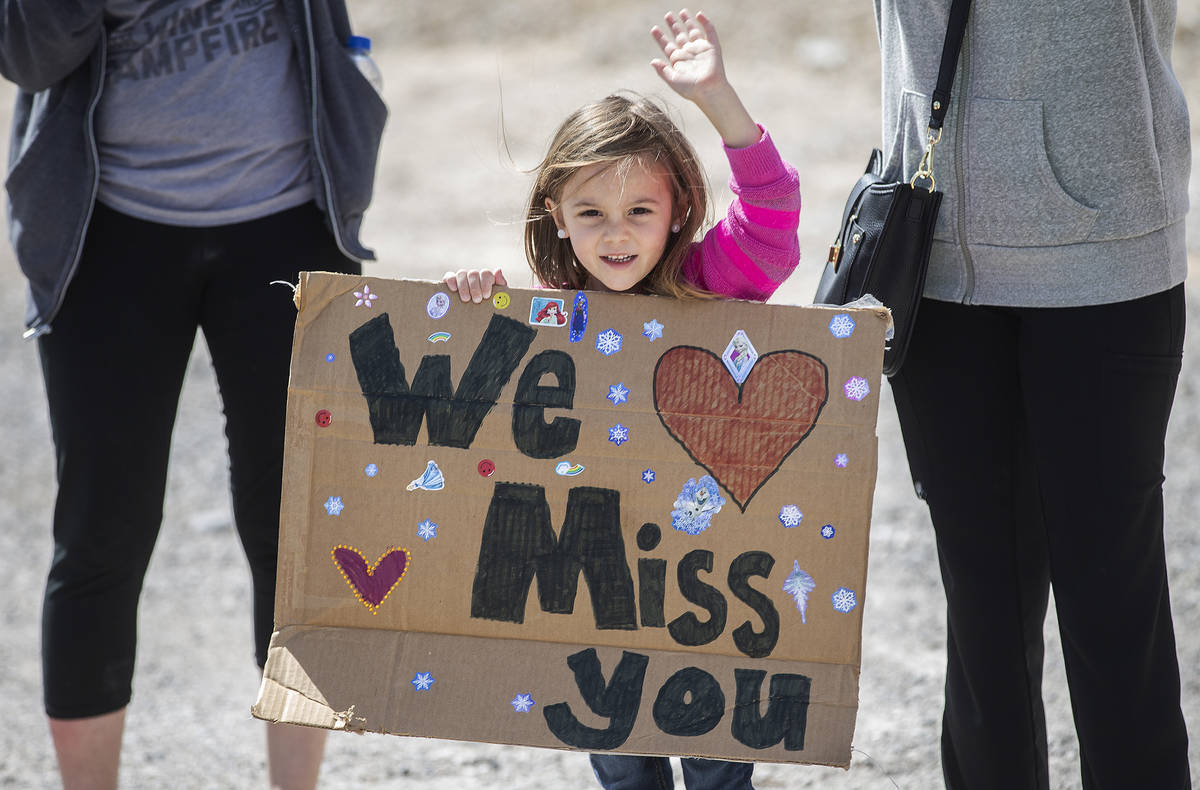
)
(567, 469)
(439, 337)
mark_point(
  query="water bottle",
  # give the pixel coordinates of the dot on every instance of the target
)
(359, 48)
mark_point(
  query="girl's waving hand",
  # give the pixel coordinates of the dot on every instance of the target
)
(693, 65)
(695, 70)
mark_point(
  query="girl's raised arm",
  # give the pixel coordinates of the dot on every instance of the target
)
(695, 70)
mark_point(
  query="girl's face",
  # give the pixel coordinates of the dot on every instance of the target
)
(617, 219)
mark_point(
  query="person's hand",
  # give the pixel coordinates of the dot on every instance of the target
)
(474, 285)
(693, 66)
(695, 70)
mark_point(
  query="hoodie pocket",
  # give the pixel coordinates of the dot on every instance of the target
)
(1013, 197)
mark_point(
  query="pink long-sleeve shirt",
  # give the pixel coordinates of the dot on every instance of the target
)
(749, 253)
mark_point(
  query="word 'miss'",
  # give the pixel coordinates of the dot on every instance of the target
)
(519, 543)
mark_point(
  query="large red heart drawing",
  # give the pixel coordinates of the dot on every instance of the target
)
(371, 583)
(740, 434)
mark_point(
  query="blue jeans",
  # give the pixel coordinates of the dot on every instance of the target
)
(630, 772)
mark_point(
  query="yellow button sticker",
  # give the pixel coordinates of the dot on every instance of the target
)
(501, 300)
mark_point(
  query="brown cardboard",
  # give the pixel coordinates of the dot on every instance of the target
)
(542, 467)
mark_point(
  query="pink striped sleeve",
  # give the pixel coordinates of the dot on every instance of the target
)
(753, 249)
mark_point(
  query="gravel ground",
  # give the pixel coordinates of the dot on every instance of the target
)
(474, 95)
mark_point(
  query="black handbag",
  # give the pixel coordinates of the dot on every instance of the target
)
(883, 246)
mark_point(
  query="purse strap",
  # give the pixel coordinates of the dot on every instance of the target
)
(939, 102)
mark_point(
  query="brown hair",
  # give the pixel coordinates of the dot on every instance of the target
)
(620, 130)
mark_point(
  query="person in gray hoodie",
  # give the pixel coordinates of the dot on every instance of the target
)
(1035, 395)
(170, 159)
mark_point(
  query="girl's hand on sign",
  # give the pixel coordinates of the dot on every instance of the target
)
(474, 285)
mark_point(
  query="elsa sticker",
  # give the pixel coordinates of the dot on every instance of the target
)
(740, 356)
(698, 502)
(547, 312)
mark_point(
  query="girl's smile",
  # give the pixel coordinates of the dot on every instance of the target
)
(618, 218)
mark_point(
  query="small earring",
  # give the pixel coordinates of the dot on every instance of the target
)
(562, 234)
(675, 228)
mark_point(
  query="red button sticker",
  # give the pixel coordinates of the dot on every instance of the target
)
(324, 418)
(486, 468)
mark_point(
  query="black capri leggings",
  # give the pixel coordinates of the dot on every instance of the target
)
(114, 365)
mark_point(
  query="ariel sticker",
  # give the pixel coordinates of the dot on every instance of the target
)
(696, 504)
(579, 315)
(544, 311)
(740, 356)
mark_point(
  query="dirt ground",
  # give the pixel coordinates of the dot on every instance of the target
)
(475, 91)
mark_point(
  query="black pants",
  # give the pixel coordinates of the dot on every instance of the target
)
(1036, 436)
(114, 365)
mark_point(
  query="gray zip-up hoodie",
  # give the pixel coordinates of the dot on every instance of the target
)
(54, 52)
(1065, 153)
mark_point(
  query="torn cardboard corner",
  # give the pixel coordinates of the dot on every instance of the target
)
(576, 520)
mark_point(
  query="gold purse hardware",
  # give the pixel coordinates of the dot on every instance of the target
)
(925, 168)
(835, 252)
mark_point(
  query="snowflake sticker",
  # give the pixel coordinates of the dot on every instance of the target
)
(697, 503)
(365, 297)
(618, 393)
(648, 476)
(828, 531)
(856, 388)
(608, 342)
(522, 703)
(798, 585)
(370, 470)
(652, 329)
(427, 530)
(618, 434)
(844, 600)
(330, 357)
(841, 325)
(841, 460)
(422, 681)
(334, 506)
(790, 516)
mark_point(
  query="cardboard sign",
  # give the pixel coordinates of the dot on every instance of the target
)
(576, 520)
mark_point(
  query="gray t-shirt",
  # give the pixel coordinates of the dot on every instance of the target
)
(201, 121)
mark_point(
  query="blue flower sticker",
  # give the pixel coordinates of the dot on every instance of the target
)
(841, 325)
(608, 342)
(844, 600)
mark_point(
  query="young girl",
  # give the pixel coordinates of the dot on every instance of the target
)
(617, 204)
